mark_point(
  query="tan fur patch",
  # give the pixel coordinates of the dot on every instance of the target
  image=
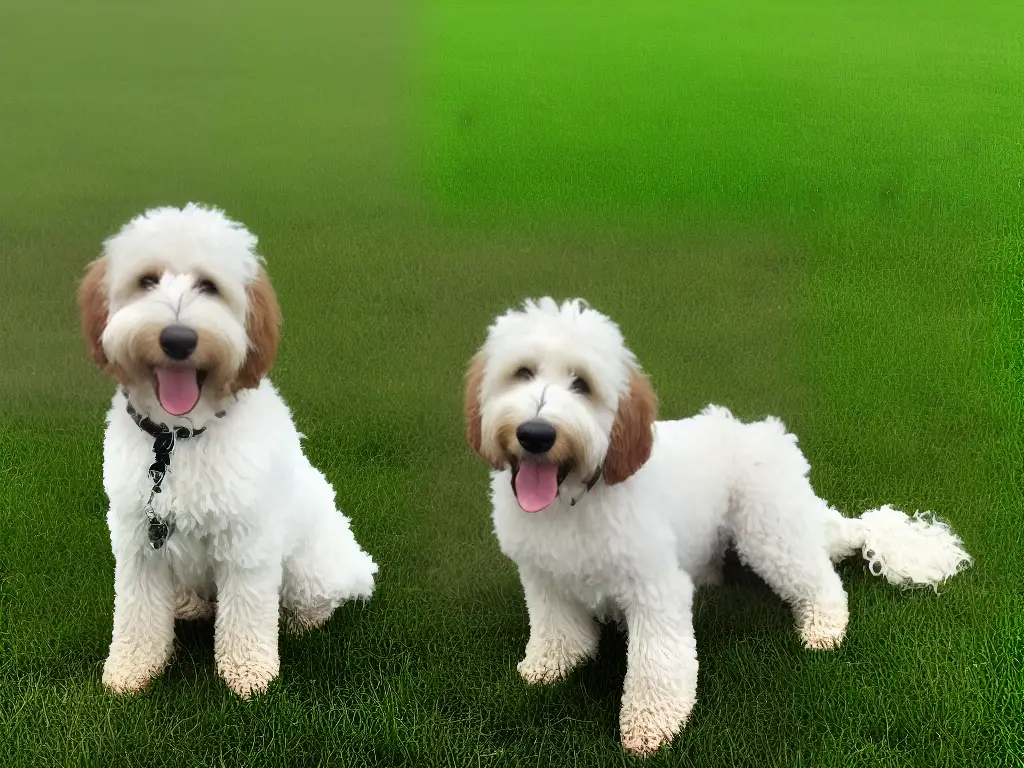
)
(568, 447)
(92, 307)
(135, 364)
(214, 355)
(263, 328)
(632, 436)
(471, 407)
(506, 437)
(143, 354)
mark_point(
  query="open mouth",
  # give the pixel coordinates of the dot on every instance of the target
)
(535, 483)
(179, 389)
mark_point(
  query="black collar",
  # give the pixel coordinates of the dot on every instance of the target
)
(155, 430)
(163, 445)
(589, 484)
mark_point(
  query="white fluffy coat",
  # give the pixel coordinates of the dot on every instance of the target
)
(255, 528)
(635, 549)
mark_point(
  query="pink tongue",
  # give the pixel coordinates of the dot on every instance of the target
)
(178, 389)
(536, 485)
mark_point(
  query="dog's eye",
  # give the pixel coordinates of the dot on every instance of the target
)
(148, 281)
(207, 286)
(580, 386)
(524, 374)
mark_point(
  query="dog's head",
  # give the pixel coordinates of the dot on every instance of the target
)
(179, 307)
(554, 395)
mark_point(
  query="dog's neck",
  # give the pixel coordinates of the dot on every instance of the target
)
(145, 402)
(165, 438)
(578, 489)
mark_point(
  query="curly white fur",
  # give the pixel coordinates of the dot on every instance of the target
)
(255, 526)
(636, 548)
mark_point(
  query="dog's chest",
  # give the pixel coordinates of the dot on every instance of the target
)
(197, 492)
(583, 555)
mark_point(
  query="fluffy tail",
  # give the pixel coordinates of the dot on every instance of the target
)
(918, 551)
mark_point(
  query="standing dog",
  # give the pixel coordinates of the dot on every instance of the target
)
(609, 513)
(211, 497)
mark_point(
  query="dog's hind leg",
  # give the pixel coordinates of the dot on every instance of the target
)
(327, 567)
(778, 535)
(327, 570)
(778, 530)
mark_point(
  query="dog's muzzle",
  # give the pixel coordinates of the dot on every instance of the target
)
(535, 478)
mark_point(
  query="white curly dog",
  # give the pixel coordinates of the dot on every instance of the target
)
(610, 514)
(211, 496)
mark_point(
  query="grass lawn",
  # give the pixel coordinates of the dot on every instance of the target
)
(811, 209)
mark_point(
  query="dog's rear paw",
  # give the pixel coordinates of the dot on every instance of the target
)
(549, 665)
(306, 619)
(543, 670)
(824, 627)
(188, 606)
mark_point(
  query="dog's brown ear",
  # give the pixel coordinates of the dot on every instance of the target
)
(92, 307)
(471, 401)
(263, 328)
(633, 431)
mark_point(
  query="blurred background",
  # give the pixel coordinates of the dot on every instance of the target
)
(810, 209)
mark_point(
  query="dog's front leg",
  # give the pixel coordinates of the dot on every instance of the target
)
(661, 677)
(246, 628)
(562, 631)
(143, 635)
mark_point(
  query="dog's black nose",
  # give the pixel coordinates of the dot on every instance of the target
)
(178, 341)
(536, 435)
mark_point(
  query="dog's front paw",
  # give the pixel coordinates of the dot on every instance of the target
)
(650, 724)
(823, 628)
(125, 674)
(249, 677)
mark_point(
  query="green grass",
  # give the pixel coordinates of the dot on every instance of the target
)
(809, 209)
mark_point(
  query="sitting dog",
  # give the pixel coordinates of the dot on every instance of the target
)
(610, 514)
(211, 496)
